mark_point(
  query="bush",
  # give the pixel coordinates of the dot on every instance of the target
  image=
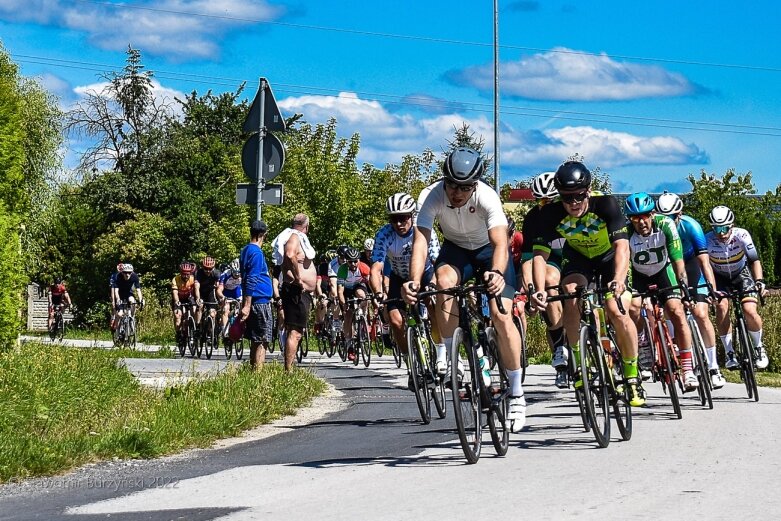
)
(12, 282)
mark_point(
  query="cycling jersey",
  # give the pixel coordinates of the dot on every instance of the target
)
(366, 259)
(333, 267)
(396, 250)
(322, 276)
(591, 235)
(530, 230)
(468, 225)
(516, 247)
(183, 286)
(57, 292)
(653, 253)
(231, 286)
(349, 279)
(692, 237)
(729, 258)
(125, 286)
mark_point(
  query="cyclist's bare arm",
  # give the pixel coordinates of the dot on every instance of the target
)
(707, 269)
(375, 277)
(621, 247)
(417, 264)
(539, 269)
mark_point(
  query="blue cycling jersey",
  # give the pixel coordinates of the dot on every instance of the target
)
(692, 237)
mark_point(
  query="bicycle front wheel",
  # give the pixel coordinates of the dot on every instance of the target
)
(592, 367)
(668, 378)
(238, 348)
(418, 374)
(364, 343)
(700, 364)
(211, 337)
(746, 353)
(438, 389)
(191, 342)
(131, 332)
(620, 394)
(465, 378)
(524, 361)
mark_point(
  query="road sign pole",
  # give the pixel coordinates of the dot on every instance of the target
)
(261, 135)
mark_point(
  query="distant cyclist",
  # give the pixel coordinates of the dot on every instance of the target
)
(736, 264)
(698, 271)
(366, 254)
(229, 287)
(182, 294)
(657, 259)
(206, 280)
(58, 295)
(352, 282)
(125, 285)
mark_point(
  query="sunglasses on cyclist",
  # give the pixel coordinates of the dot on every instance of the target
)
(574, 198)
(640, 217)
(724, 228)
(352, 262)
(398, 219)
(456, 186)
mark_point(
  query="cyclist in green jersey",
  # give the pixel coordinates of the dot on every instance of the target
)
(594, 230)
(657, 259)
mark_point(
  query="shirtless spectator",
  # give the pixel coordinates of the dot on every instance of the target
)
(295, 254)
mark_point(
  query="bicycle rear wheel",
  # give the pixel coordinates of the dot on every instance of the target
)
(700, 364)
(746, 353)
(668, 376)
(396, 353)
(305, 342)
(466, 395)
(418, 374)
(498, 425)
(364, 343)
(592, 367)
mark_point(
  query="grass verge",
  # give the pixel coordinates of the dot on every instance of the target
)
(764, 379)
(64, 407)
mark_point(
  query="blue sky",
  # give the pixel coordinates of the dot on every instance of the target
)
(648, 91)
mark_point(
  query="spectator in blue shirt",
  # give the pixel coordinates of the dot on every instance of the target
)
(256, 294)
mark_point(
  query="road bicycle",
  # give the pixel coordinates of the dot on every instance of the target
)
(187, 336)
(746, 351)
(234, 307)
(57, 328)
(210, 336)
(125, 332)
(378, 332)
(302, 350)
(667, 367)
(475, 395)
(361, 342)
(330, 330)
(596, 369)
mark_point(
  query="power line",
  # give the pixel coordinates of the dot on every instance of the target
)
(427, 38)
(587, 117)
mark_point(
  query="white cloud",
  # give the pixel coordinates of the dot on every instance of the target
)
(566, 75)
(387, 137)
(157, 29)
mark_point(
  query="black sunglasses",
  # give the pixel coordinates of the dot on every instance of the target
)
(456, 186)
(574, 198)
(399, 218)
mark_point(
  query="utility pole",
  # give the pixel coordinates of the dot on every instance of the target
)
(496, 95)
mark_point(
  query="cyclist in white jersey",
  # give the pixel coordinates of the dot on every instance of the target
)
(393, 245)
(474, 226)
(736, 264)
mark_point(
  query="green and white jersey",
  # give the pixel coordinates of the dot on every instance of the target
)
(653, 253)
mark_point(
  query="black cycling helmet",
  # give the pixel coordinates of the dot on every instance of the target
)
(463, 166)
(510, 226)
(572, 176)
(351, 254)
(340, 250)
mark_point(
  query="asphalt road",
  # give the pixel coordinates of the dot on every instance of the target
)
(372, 459)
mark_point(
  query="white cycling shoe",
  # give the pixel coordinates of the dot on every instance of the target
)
(763, 361)
(517, 413)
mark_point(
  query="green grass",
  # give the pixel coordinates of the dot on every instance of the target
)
(764, 379)
(63, 407)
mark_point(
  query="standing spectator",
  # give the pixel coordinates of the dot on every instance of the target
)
(256, 294)
(295, 254)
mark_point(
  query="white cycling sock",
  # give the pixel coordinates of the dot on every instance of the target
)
(756, 337)
(727, 341)
(516, 387)
(442, 351)
(710, 353)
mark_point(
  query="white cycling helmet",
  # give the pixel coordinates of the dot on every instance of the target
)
(721, 215)
(235, 265)
(127, 268)
(543, 186)
(669, 204)
(399, 204)
(368, 244)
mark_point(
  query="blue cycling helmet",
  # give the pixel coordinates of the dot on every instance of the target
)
(639, 203)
